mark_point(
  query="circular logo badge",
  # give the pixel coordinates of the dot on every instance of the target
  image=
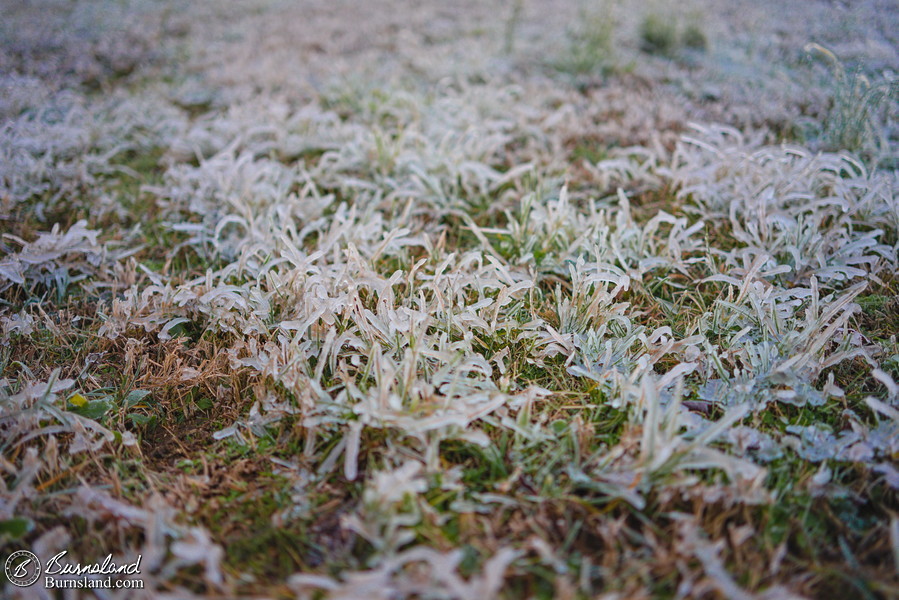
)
(22, 568)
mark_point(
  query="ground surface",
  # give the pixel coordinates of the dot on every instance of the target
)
(511, 299)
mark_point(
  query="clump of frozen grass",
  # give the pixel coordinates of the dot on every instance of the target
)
(591, 50)
(663, 448)
(20, 93)
(693, 37)
(64, 150)
(858, 111)
(551, 232)
(21, 323)
(812, 215)
(661, 34)
(56, 259)
(391, 508)
(658, 35)
(775, 349)
(34, 410)
(40, 152)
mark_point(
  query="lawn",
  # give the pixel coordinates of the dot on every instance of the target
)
(388, 300)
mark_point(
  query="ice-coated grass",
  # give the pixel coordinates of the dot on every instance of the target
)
(469, 330)
(860, 110)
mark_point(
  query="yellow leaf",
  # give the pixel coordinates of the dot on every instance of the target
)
(78, 400)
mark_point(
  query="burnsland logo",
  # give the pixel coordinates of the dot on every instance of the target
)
(107, 567)
(22, 568)
(106, 575)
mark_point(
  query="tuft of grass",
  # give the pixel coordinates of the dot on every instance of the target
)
(591, 49)
(511, 27)
(658, 35)
(694, 37)
(858, 109)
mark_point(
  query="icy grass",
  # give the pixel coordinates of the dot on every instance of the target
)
(514, 376)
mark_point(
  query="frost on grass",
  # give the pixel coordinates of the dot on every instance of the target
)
(405, 272)
(820, 215)
(37, 427)
(368, 320)
(60, 146)
(54, 257)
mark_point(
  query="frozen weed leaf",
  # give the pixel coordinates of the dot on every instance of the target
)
(21, 323)
(748, 441)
